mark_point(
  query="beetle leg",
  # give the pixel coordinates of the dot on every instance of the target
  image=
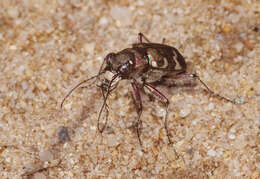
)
(103, 90)
(163, 41)
(178, 80)
(164, 100)
(186, 79)
(138, 104)
(194, 76)
(141, 36)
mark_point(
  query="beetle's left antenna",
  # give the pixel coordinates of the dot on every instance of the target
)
(69, 93)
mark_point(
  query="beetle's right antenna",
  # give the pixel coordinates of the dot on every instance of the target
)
(79, 84)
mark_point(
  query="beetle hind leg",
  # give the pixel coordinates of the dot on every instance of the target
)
(211, 92)
(164, 100)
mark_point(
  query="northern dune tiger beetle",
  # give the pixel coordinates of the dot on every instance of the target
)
(146, 65)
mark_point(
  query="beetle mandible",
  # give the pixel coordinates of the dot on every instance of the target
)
(146, 65)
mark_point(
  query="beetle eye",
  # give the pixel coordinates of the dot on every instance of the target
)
(126, 68)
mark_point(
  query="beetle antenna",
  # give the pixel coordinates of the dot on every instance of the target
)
(74, 88)
(105, 103)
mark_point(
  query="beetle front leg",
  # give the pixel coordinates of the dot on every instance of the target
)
(104, 86)
(139, 108)
(103, 90)
(164, 100)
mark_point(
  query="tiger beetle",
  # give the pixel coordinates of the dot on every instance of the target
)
(146, 65)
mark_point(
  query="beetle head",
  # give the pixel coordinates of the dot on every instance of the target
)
(121, 63)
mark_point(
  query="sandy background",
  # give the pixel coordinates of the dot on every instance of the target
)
(47, 47)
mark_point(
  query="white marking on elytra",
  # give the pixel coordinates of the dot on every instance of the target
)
(165, 63)
(178, 66)
(154, 64)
